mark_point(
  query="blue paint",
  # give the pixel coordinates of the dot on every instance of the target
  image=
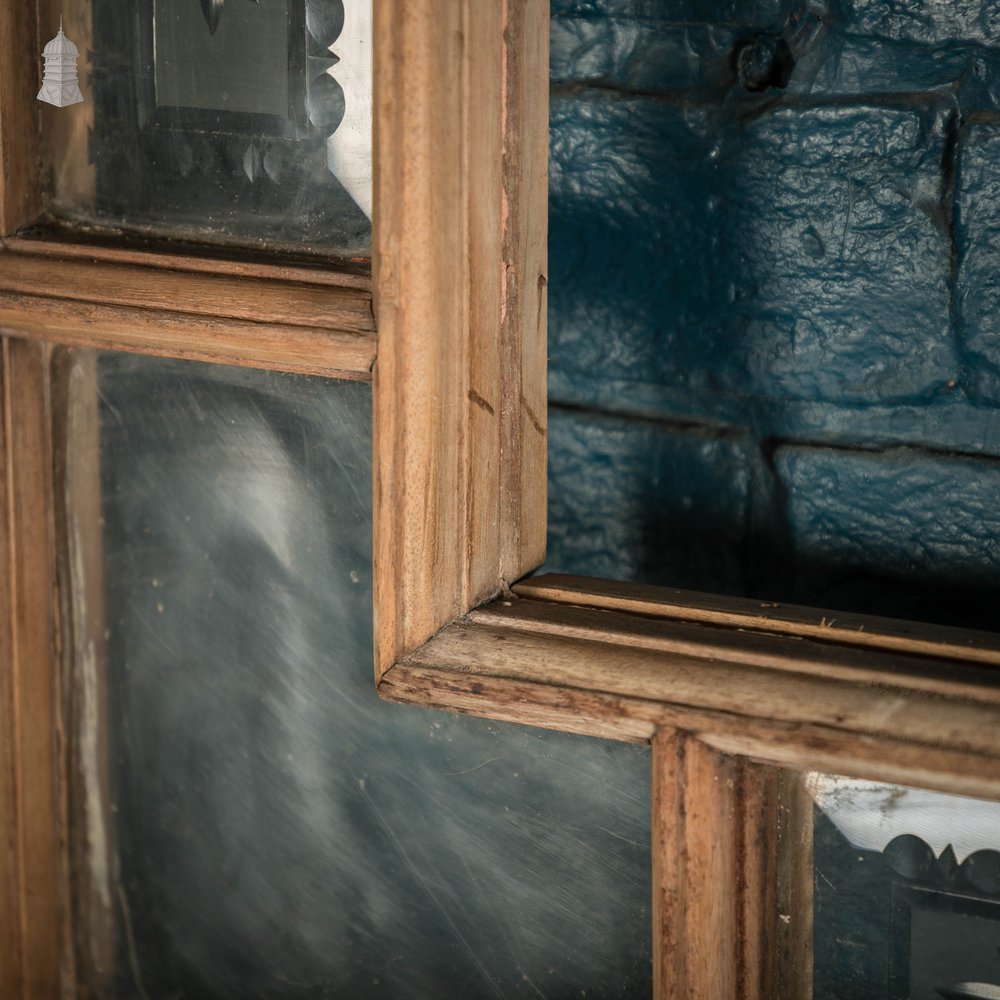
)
(752, 263)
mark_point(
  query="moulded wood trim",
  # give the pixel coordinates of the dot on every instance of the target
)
(716, 835)
(459, 268)
(35, 943)
(197, 338)
(82, 630)
(208, 313)
(296, 297)
(182, 257)
(732, 875)
(846, 628)
(778, 698)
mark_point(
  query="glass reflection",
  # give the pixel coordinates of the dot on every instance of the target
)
(276, 830)
(907, 893)
(222, 121)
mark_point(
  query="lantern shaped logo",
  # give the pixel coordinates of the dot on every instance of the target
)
(59, 84)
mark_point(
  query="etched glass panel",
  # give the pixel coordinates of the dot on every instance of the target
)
(906, 893)
(251, 820)
(226, 121)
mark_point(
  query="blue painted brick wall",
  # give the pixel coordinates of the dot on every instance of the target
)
(775, 299)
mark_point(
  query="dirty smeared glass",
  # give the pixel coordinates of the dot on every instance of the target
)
(251, 820)
(225, 121)
(906, 893)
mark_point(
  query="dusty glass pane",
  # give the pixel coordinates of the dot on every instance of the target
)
(224, 121)
(251, 820)
(906, 893)
(198, 68)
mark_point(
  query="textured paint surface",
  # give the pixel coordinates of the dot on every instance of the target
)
(774, 251)
(924, 528)
(279, 831)
(628, 495)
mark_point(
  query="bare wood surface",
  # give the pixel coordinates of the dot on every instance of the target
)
(35, 863)
(900, 729)
(176, 290)
(793, 952)
(523, 335)
(458, 264)
(715, 873)
(20, 190)
(727, 644)
(335, 354)
(218, 315)
(168, 257)
(529, 703)
(77, 473)
(767, 616)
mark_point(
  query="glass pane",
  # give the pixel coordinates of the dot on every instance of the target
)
(273, 828)
(215, 120)
(906, 893)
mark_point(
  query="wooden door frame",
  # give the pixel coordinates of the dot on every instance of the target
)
(731, 694)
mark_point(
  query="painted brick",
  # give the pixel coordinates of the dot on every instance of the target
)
(743, 12)
(642, 55)
(781, 262)
(802, 255)
(633, 238)
(842, 255)
(928, 21)
(843, 65)
(899, 532)
(978, 234)
(639, 500)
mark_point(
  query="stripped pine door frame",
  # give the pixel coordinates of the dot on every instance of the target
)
(733, 696)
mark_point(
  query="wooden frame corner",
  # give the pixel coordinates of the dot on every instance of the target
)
(460, 289)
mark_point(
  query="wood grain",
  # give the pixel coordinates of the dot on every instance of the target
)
(58, 243)
(793, 950)
(179, 290)
(938, 674)
(20, 168)
(914, 726)
(715, 873)
(187, 311)
(458, 264)
(34, 820)
(524, 333)
(80, 550)
(334, 354)
(788, 619)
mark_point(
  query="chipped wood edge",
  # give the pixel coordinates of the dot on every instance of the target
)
(458, 266)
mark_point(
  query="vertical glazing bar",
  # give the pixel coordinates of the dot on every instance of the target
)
(34, 816)
(84, 701)
(718, 923)
(20, 190)
(458, 261)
